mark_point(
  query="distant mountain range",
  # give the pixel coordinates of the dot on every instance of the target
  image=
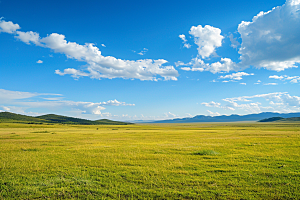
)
(56, 119)
(230, 118)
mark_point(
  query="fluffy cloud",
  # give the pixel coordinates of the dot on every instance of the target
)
(28, 37)
(99, 66)
(234, 42)
(8, 27)
(275, 102)
(39, 61)
(182, 36)
(207, 38)
(213, 114)
(197, 64)
(271, 39)
(292, 79)
(19, 102)
(184, 41)
(235, 76)
(212, 104)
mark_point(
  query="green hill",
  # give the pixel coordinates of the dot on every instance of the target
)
(54, 119)
(272, 119)
(292, 119)
(12, 117)
(280, 119)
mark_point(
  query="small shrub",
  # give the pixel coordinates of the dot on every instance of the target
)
(205, 153)
(29, 149)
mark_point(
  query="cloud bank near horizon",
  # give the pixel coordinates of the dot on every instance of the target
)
(20, 102)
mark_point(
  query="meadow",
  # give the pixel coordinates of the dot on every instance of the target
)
(150, 161)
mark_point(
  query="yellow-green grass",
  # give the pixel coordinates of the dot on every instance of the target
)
(150, 161)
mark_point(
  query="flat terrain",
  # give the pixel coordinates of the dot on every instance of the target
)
(150, 161)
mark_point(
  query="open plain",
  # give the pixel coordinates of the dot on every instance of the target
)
(150, 161)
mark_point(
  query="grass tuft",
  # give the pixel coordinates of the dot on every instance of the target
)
(41, 132)
(205, 153)
(29, 149)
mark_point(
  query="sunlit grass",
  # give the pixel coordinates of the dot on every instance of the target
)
(163, 161)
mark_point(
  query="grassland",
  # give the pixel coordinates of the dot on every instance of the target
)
(157, 161)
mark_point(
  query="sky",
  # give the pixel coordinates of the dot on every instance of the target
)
(149, 60)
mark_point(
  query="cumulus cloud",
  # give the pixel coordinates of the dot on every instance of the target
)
(28, 37)
(270, 83)
(207, 38)
(98, 66)
(21, 102)
(184, 41)
(8, 27)
(234, 42)
(271, 102)
(292, 79)
(235, 76)
(39, 61)
(182, 36)
(197, 64)
(271, 39)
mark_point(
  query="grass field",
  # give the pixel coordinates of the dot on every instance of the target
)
(150, 161)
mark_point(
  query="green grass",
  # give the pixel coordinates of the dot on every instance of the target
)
(157, 161)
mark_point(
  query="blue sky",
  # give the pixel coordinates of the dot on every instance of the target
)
(147, 60)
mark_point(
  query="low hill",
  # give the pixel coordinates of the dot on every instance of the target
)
(12, 117)
(272, 119)
(54, 119)
(280, 119)
(292, 119)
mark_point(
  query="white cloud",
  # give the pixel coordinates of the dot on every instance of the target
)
(182, 36)
(234, 42)
(213, 114)
(184, 41)
(197, 64)
(20, 102)
(143, 52)
(276, 77)
(186, 45)
(243, 83)
(271, 102)
(292, 79)
(28, 37)
(270, 83)
(208, 38)
(7, 95)
(170, 115)
(103, 45)
(73, 72)
(271, 39)
(236, 76)
(8, 27)
(99, 66)
(39, 61)
(212, 104)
